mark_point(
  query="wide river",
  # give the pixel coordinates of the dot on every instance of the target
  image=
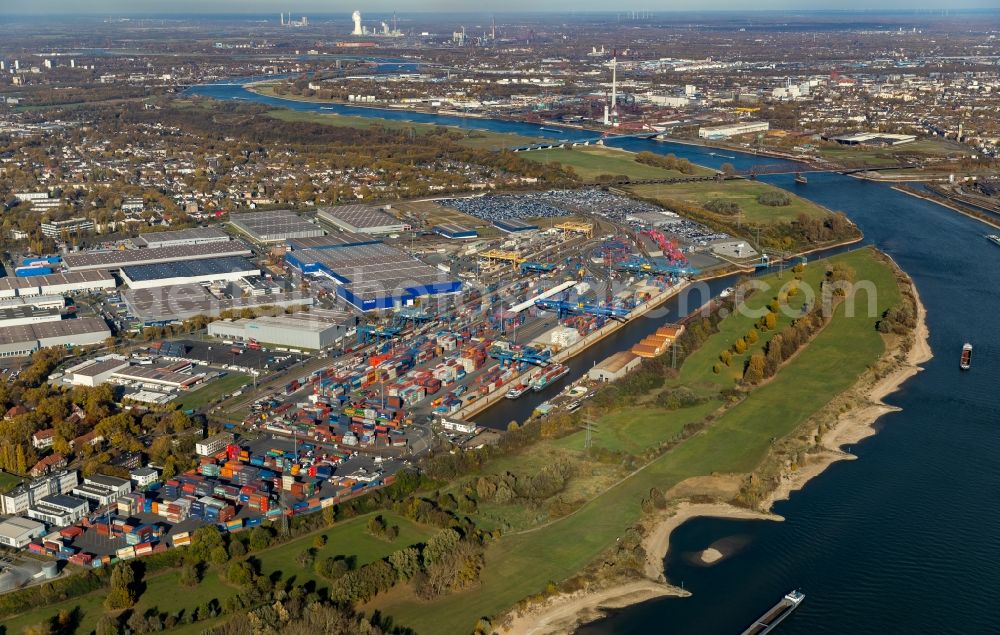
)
(907, 538)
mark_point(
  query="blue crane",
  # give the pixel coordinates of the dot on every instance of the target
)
(536, 267)
(530, 356)
(644, 267)
(413, 316)
(563, 309)
(368, 333)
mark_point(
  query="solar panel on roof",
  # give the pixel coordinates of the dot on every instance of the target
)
(189, 268)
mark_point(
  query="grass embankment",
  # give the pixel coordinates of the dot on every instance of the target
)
(473, 138)
(201, 397)
(164, 593)
(591, 162)
(521, 564)
(864, 156)
(742, 192)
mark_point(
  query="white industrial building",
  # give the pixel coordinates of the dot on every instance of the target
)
(167, 274)
(17, 500)
(361, 219)
(58, 510)
(733, 129)
(274, 226)
(615, 367)
(95, 372)
(193, 236)
(23, 340)
(315, 330)
(115, 260)
(874, 139)
(26, 314)
(17, 532)
(168, 378)
(56, 284)
(102, 490)
(143, 477)
(38, 301)
(213, 444)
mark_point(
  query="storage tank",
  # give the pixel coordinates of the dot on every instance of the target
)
(50, 570)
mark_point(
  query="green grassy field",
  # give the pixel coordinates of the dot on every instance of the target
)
(743, 192)
(593, 161)
(473, 138)
(634, 430)
(348, 538)
(8, 481)
(163, 593)
(892, 155)
(200, 397)
(521, 564)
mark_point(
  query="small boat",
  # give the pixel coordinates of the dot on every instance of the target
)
(517, 391)
(993, 238)
(801, 178)
(728, 291)
(966, 362)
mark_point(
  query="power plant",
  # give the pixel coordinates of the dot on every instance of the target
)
(288, 21)
(361, 30)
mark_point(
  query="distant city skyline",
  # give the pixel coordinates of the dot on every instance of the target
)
(130, 7)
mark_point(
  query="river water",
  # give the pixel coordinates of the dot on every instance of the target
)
(903, 540)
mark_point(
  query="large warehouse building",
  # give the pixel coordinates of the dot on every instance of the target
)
(315, 330)
(361, 219)
(56, 284)
(162, 305)
(17, 341)
(228, 268)
(115, 260)
(21, 315)
(274, 226)
(193, 236)
(372, 277)
(733, 129)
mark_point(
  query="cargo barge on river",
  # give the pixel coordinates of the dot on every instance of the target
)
(767, 622)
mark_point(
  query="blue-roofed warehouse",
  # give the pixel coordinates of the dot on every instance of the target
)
(373, 276)
(514, 226)
(454, 231)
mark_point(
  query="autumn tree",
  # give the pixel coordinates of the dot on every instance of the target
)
(754, 373)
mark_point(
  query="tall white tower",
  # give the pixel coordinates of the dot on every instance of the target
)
(614, 82)
(358, 30)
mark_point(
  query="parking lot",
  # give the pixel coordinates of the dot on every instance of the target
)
(216, 353)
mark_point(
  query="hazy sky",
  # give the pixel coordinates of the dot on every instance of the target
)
(134, 7)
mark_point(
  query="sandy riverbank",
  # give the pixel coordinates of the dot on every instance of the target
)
(563, 614)
(858, 423)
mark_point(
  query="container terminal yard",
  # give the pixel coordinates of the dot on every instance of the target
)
(337, 346)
